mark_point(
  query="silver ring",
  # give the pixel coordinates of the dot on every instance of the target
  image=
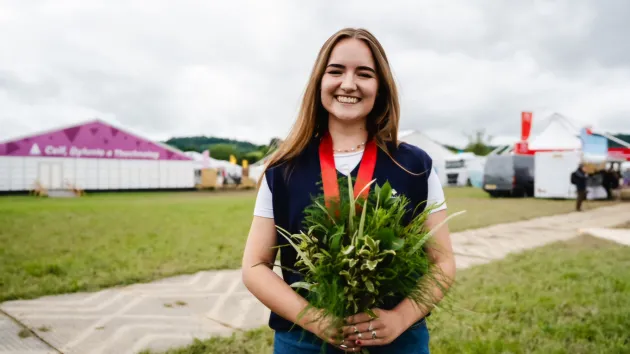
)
(373, 334)
(359, 335)
(370, 325)
(343, 346)
(355, 329)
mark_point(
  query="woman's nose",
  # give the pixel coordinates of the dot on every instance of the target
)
(348, 83)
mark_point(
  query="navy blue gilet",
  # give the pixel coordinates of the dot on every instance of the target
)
(290, 196)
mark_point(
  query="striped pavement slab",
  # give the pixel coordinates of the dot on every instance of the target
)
(172, 312)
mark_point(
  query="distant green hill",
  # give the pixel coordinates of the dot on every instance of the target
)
(200, 143)
(220, 148)
(622, 137)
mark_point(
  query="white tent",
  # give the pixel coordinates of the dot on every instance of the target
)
(560, 133)
(436, 151)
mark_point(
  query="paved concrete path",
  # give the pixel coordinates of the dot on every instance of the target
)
(171, 312)
(621, 236)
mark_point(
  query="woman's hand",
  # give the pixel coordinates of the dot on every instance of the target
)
(322, 328)
(365, 331)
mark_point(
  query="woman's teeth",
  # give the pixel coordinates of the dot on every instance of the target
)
(347, 99)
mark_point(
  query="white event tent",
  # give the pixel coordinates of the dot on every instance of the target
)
(438, 153)
(559, 134)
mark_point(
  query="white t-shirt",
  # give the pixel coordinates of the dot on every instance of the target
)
(345, 162)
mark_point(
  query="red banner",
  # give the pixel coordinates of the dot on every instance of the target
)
(526, 125)
(619, 153)
(522, 148)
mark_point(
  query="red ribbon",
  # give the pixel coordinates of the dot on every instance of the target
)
(329, 171)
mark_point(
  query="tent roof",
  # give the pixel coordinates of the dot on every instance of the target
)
(431, 147)
(95, 135)
(559, 134)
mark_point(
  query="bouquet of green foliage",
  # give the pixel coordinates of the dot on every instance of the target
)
(360, 255)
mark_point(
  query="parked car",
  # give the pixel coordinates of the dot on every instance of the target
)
(509, 175)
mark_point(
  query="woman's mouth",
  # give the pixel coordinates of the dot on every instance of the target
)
(348, 99)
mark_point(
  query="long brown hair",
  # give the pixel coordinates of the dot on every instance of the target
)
(312, 119)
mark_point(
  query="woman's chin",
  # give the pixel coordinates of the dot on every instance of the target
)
(348, 118)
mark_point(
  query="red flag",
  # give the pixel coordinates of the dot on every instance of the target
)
(526, 125)
(522, 148)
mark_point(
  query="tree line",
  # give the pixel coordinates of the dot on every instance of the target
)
(222, 148)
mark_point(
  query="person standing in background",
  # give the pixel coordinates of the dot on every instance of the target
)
(579, 178)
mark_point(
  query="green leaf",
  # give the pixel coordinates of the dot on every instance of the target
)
(386, 236)
(348, 250)
(325, 211)
(352, 205)
(370, 286)
(364, 252)
(386, 192)
(369, 241)
(371, 314)
(392, 252)
(398, 244)
(335, 243)
(353, 262)
(302, 285)
(303, 257)
(362, 222)
(370, 265)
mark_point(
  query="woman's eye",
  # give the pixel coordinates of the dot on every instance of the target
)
(334, 72)
(365, 75)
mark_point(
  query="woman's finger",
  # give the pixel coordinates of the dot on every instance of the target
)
(349, 349)
(362, 317)
(346, 345)
(375, 337)
(381, 332)
(362, 327)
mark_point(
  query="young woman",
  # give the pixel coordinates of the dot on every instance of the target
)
(351, 102)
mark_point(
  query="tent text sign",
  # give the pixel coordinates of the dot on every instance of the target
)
(95, 140)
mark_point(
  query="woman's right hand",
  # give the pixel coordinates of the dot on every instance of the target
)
(322, 327)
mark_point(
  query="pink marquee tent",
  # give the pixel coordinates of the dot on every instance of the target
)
(94, 155)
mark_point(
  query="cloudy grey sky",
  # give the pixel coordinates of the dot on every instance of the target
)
(238, 68)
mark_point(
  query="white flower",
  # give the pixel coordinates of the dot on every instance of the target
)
(394, 192)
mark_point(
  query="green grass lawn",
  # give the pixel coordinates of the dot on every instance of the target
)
(51, 246)
(567, 297)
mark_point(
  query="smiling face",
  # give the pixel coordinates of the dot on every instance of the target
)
(350, 83)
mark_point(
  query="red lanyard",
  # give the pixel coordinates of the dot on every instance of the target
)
(329, 171)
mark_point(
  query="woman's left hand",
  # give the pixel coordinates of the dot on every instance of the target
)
(366, 331)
